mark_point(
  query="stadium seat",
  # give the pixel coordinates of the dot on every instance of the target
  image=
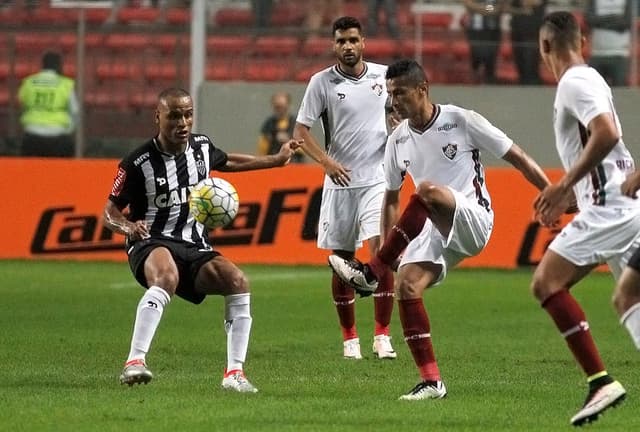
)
(118, 71)
(137, 15)
(287, 14)
(315, 46)
(267, 70)
(12, 17)
(178, 16)
(4, 97)
(382, 48)
(23, 69)
(233, 17)
(119, 42)
(355, 9)
(169, 43)
(96, 16)
(429, 48)
(435, 21)
(506, 50)
(223, 70)
(4, 73)
(275, 46)
(506, 72)
(304, 73)
(51, 16)
(143, 99)
(36, 43)
(166, 72)
(106, 98)
(460, 49)
(228, 45)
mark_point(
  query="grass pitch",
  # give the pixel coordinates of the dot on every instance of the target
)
(66, 328)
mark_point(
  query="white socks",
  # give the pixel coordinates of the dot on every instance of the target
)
(148, 317)
(237, 324)
(631, 320)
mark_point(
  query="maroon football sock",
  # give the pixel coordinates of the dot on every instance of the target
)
(417, 334)
(383, 303)
(406, 229)
(344, 299)
(572, 323)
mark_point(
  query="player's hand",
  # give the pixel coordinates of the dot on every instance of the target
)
(551, 203)
(631, 185)
(573, 205)
(286, 151)
(336, 172)
(137, 230)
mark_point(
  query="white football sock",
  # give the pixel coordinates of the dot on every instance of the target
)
(237, 324)
(631, 320)
(148, 317)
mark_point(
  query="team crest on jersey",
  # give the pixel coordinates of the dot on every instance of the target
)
(201, 167)
(450, 150)
(377, 89)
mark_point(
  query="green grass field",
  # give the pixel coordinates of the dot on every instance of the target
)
(66, 329)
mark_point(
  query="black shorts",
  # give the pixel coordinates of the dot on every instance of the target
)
(187, 256)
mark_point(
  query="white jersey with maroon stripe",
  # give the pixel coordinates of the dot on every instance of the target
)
(353, 119)
(582, 95)
(446, 152)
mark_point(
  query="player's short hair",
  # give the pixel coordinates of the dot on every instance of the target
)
(53, 61)
(564, 29)
(172, 92)
(407, 69)
(346, 23)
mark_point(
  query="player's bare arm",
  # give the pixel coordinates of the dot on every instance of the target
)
(552, 201)
(631, 185)
(115, 220)
(334, 170)
(527, 166)
(245, 162)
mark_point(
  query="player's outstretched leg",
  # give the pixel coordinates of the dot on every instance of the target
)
(355, 274)
(607, 394)
(135, 372)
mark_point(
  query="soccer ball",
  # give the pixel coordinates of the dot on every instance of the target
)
(214, 202)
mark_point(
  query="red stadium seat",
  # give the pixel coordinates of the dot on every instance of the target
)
(267, 70)
(136, 15)
(233, 17)
(222, 70)
(436, 20)
(304, 73)
(36, 43)
(178, 16)
(460, 49)
(4, 73)
(506, 50)
(23, 69)
(118, 71)
(287, 14)
(96, 16)
(429, 48)
(51, 16)
(506, 73)
(382, 48)
(4, 97)
(161, 72)
(169, 43)
(229, 45)
(275, 46)
(12, 16)
(316, 46)
(143, 99)
(127, 42)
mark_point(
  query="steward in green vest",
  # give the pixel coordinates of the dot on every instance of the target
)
(49, 110)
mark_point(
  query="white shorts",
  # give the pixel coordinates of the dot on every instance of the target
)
(470, 233)
(600, 235)
(348, 217)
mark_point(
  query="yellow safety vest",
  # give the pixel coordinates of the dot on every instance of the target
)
(44, 97)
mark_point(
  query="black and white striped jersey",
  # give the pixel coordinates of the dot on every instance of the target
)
(155, 186)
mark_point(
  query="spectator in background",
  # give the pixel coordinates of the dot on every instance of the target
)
(49, 110)
(482, 24)
(389, 14)
(262, 14)
(610, 25)
(526, 17)
(277, 129)
(320, 11)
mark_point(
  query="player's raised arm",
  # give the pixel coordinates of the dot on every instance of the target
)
(247, 162)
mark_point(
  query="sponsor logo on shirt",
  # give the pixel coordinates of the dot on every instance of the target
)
(447, 127)
(143, 157)
(341, 96)
(200, 138)
(118, 182)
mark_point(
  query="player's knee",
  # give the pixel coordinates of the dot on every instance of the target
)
(407, 289)
(168, 280)
(238, 283)
(430, 193)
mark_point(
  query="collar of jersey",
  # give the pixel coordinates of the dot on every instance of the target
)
(434, 117)
(351, 77)
(157, 146)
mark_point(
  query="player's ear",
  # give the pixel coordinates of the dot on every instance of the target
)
(545, 44)
(157, 117)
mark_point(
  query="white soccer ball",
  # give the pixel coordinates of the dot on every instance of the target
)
(214, 202)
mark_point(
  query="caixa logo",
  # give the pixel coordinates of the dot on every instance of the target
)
(63, 230)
